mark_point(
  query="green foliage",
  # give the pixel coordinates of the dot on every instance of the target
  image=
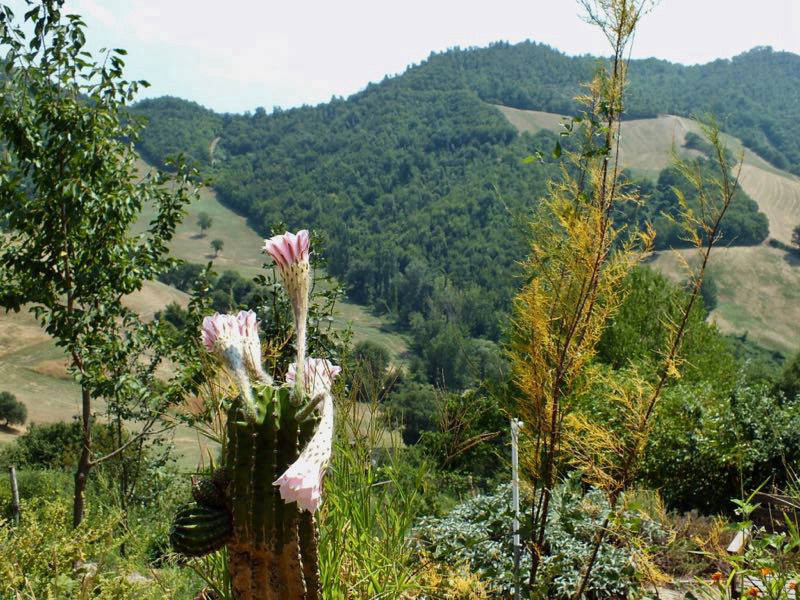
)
(69, 193)
(40, 556)
(730, 444)
(767, 567)
(434, 172)
(414, 406)
(743, 225)
(53, 445)
(418, 175)
(476, 533)
(12, 410)
(709, 292)
(372, 497)
(216, 246)
(176, 126)
(369, 374)
(796, 237)
(636, 332)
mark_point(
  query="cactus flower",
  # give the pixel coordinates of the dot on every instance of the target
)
(290, 253)
(251, 345)
(318, 375)
(302, 481)
(222, 335)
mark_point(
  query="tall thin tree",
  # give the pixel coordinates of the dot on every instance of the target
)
(69, 194)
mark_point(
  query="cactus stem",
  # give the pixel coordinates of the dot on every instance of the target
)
(309, 552)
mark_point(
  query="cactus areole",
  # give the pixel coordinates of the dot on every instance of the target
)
(260, 504)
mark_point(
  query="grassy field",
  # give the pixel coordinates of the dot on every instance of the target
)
(759, 292)
(759, 287)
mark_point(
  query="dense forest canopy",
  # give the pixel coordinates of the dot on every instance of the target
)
(419, 174)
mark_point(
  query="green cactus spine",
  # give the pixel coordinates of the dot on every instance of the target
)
(265, 549)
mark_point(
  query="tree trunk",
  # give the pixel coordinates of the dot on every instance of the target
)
(84, 463)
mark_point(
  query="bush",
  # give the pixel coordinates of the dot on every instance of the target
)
(39, 556)
(52, 446)
(726, 445)
(477, 534)
(12, 410)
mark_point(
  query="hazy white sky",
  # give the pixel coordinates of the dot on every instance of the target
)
(234, 56)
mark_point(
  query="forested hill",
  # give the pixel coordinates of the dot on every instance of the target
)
(755, 95)
(417, 181)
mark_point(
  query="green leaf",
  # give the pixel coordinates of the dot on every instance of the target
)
(557, 150)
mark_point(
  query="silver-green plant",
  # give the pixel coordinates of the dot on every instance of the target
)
(260, 504)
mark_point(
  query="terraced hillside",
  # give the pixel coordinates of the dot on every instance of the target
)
(759, 286)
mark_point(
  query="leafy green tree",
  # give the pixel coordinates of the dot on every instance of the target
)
(204, 221)
(415, 407)
(796, 237)
(12, 410)
(70, 193)
(217, 246)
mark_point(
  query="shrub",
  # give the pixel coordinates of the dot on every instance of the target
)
(727, 445)
(39, 556)
(53, 445)
(477, 534)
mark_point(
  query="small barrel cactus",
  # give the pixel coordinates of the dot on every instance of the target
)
(198, 530)
(261, 504)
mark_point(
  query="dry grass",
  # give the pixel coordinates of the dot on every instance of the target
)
(759, 292)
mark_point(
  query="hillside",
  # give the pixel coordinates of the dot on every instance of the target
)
(420, 174)
(34, 369)
(759, 286)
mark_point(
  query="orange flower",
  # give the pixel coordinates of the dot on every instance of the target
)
(792, 585)
(716, 577)
(766, 571)
(753, 592)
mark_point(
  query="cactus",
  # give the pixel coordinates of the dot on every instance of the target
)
(276, 449)
(198, 530)
(210, 491)
(265, 548)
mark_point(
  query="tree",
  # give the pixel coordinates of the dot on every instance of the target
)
(204, 221)
(217, 246)
(12, 410)
(70, 193)
(796, 237)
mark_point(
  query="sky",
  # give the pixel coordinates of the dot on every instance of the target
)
(238, 55)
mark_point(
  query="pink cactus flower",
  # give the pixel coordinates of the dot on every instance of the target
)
(302, 481)
(222, 335)
(318, 375)
(251, 345)
(290, 254)
(288, 249)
